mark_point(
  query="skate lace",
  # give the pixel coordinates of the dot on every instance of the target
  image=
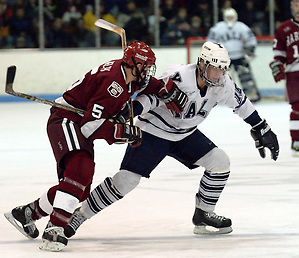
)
(54, 230)
(213, 215)
(30, 222)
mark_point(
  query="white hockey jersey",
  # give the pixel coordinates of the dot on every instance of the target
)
(156, 118)
(234, 39)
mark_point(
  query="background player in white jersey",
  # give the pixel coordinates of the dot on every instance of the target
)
(240, 43)
(176, 135)
(286, 66)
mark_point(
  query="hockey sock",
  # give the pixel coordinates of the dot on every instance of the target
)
(78, 173)
(210, 188)
(294, 122)
(101, 197)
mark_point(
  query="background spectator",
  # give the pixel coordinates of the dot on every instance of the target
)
(137, 17)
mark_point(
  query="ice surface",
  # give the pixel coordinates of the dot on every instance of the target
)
(154, 220)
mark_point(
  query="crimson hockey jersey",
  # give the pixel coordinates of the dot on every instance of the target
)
(102, 93)
(286, 46)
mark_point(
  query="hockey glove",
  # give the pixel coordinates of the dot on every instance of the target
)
(125, 133)
(265, 138)
(123, 116)
(249, 51)
(173, 97)
(277, 70)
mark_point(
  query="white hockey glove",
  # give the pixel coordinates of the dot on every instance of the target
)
(277, 70)
(265, 138)
(173, 97)
(125, 133)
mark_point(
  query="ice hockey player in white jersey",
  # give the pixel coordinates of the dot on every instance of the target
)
(166, 134)
(240, 43)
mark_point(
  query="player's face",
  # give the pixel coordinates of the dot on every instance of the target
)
(214, 73)
(149, 70)
(295, 9)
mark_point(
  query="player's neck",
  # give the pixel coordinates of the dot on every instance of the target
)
(129, 76)
(200, 83)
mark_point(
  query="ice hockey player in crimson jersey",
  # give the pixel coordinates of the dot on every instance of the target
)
(102, 93)
(176, 135)
(240, 43)
(286, 66)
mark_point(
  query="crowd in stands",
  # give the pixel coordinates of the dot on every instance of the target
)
(70, 23)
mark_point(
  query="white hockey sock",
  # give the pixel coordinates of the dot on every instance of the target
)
(100, 198)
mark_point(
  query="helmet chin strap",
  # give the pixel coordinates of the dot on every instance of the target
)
(140, 81)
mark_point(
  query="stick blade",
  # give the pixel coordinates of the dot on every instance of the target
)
(104, 24)
(10, 76)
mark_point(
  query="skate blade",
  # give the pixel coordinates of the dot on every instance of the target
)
(51, 246)
(14, 222)
(208, 230)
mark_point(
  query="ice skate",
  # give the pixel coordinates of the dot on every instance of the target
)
(20, 217)
(53, 238)
(209, 222)
(295, 148)
(76, 221)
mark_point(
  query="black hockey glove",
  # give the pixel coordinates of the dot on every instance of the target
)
(265, 138)
(125, 133)
(173, 97)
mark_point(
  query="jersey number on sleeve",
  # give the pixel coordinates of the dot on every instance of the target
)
(97, 111)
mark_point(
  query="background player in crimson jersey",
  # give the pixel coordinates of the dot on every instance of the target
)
(286, 66)
(102, 92)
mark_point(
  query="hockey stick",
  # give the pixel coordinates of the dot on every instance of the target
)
(122, 33)
(10, 76)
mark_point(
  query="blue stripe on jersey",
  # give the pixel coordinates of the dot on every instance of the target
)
(177, 131)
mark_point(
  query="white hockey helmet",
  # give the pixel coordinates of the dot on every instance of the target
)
(216, 55)
(230, 16)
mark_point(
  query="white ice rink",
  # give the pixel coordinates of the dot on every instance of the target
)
(261, 196)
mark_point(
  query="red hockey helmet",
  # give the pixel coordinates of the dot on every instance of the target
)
(140, 52)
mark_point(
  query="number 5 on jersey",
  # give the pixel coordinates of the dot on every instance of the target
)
(97, 111)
